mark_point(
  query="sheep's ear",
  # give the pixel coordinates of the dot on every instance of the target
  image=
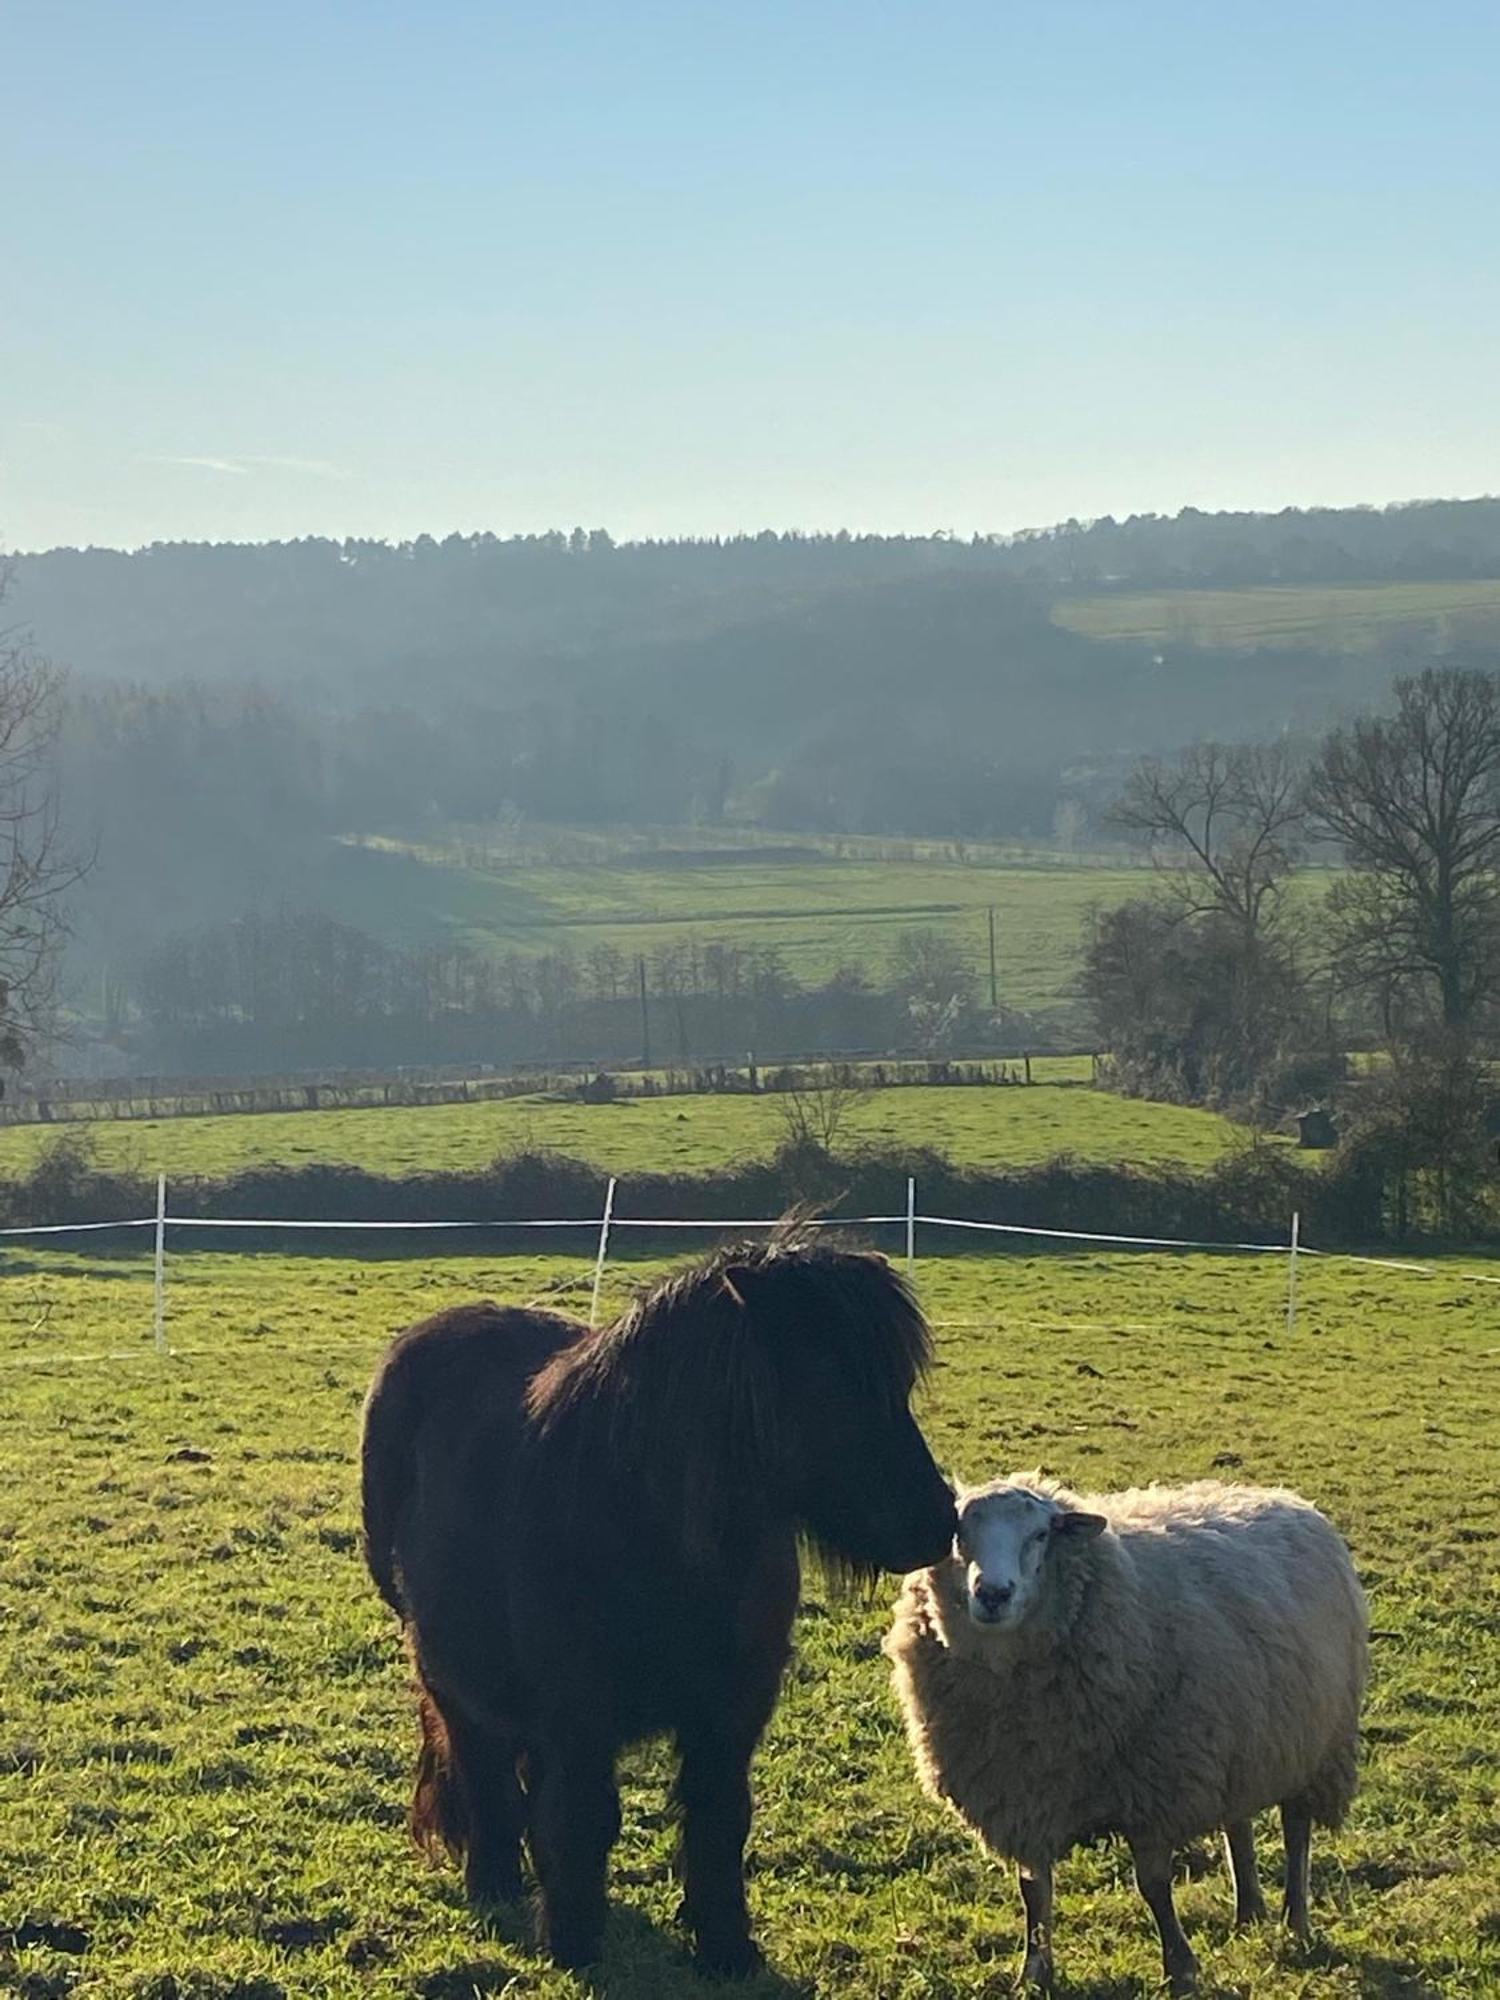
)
(1084, 1526)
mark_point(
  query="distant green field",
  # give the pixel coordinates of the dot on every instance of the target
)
(978, 1126)
(207, 1732)
(819, 913)
(1310, 615)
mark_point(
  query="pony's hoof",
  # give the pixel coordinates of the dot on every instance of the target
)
(568, 1955)
(493, 1885)
(739, 1958)
(574, 1949)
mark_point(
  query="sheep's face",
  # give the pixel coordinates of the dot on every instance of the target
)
(1006, 1535)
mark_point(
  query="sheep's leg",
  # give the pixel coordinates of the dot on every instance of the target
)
(575, 1819)
(1296, 1826)
(1036, 1894)
(1153, 1876)
(1239, 1845)
(713, 1792)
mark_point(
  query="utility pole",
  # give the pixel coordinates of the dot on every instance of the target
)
(640, 966)
(994, 983)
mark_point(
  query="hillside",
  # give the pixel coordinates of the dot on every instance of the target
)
(296, 726)
(1360, 617)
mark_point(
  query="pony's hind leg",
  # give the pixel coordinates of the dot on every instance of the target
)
(485, 1766)
(713, 1793)
(1239, 1845)
(468, 1799)
(574, 1820)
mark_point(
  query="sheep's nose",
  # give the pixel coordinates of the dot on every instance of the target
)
(990, 1596)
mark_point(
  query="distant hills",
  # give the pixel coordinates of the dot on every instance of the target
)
(234, 707)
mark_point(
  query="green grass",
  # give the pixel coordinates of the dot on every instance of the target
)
(820, 913)
(1337, 617)
(979, 1126)
(205, 1730)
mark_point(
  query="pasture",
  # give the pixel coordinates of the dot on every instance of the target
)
(819, 913)
(975, 1125)
(205, 1732)
(1335, 617)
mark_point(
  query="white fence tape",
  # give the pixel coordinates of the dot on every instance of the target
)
(1096, 1236)
(78, 1228)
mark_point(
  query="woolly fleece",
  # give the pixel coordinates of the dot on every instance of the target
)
(1202, 1659)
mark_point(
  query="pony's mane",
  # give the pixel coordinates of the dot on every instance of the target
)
(687, 1385)
(849, 1301)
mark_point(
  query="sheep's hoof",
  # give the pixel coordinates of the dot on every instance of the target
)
(1036, 1973)
(1183, 1977)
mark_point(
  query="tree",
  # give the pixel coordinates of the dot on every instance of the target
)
(1224, 822)
(1414, 800)
(935, 984)
(36, 868)
(816, 1104)
(1185, 1013)
(1197, 990)
(1422, 1136)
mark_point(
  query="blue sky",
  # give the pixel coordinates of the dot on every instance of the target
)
(269, 270)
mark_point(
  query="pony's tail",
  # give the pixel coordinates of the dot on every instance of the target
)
(439, 1820)
(385, 1476)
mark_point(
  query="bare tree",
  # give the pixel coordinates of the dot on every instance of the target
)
(1197, 990)
(36, 869)
(1224, 824)
(1414, 799)
(816, 1105)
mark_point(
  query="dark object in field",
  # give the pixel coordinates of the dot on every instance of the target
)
(1317, 1129)
(591, 1537)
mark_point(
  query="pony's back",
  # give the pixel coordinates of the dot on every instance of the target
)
(444, 1414)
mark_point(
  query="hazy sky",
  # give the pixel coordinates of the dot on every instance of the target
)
(271, 269)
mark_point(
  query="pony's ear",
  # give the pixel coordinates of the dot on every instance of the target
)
(1082, 1526)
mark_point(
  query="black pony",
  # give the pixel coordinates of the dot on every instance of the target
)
(591, 1537)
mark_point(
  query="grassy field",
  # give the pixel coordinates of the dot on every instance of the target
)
(1337, 617)
(205, 1732)
(819, 913)
(979, 1126)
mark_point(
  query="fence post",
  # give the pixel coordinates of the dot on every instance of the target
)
(161, 1264)
(911, 1226)
(1291, 1273)
(609, 1209)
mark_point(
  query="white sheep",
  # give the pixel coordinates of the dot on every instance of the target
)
(1159, 1664)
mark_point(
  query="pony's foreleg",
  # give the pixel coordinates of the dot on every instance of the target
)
(574, 1820)
(713, 1792)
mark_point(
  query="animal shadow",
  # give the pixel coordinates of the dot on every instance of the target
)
(641, 1959)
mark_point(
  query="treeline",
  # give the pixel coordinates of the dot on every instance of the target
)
(298, 989)
(482, 605)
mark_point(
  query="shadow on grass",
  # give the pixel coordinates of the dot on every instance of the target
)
(642, 1961)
